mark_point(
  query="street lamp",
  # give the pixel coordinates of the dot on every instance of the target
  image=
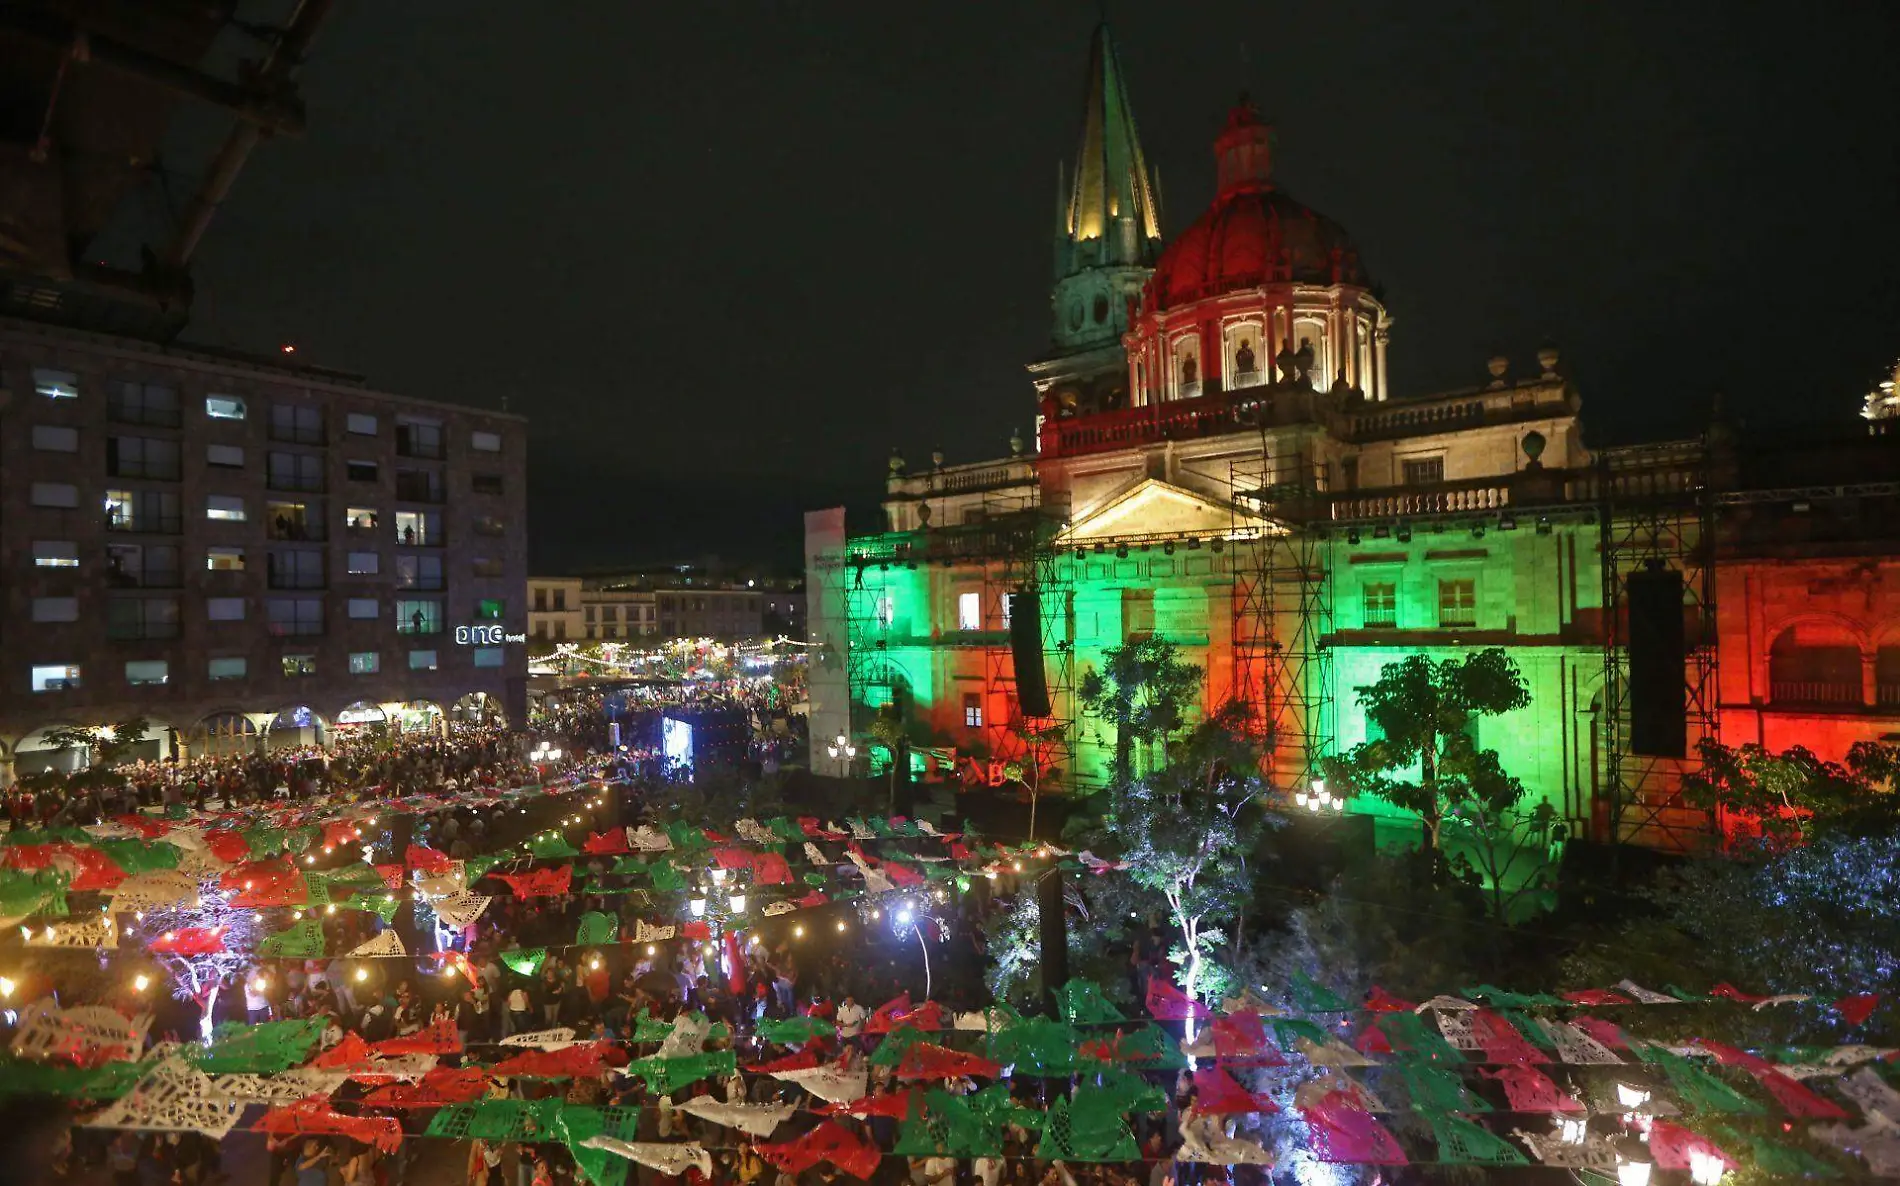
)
(1318, 799)
(841, 749)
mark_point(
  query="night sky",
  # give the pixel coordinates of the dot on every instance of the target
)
(725, 255)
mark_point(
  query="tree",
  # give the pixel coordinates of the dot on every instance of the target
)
(1186, 830)
(199, 977)
(1789, 795)
(1028, 770)
(105, 745)
(887, 729)
(1145, 690)
(1423, 710)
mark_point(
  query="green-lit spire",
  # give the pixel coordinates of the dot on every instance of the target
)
(1108, 222)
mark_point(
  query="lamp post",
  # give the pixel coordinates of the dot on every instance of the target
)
(842, 752)
(1317, 799)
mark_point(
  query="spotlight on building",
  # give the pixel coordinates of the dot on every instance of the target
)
(1100, 547)
(1216, 545)
(1167, 549)
(1194, 544)
(1121, 553)
(1507, 522)
(1352, 535)
(1403, 533)
(1382, 532)
(1477, 531)
(1081, 553)
(1543, 524)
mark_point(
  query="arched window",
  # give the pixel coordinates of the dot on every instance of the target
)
(1814, 664)
(1185, 382)
(1308, 331)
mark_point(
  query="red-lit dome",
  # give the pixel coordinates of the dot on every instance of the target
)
(1253, 234)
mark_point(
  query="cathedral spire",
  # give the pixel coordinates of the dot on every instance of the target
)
(1111, 214)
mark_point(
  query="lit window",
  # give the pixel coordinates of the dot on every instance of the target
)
(365, 662)
(290, 616)
(1423, 471)
(884, 612)
(229, 456)
(55, 553)
(224, 609)
(56, 678)
(56, 609)
(365, 564)
(488, 656)
(55, 438)
(296, 666)
(361, 423)
(147, 671)
(969, 611)
(224, 559)
(224, 407)
(232, 667)
(418, 529)
(360, 518)
(1457, 603)
(492, 609)
(55, 494)
(55, 385)
(225, 507)
(419, 617)
(364, 607)
(972, 710)
(1381, 604)
(485, 442)
(422, 660)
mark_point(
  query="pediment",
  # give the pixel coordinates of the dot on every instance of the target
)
(1154, 507)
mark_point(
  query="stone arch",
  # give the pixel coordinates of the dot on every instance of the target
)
(359, 718)
(478, 708)
(411, 717)
(222, 733)
(1816, 659)
(295, 726)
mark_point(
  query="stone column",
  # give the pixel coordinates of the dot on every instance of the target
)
(1869, 679)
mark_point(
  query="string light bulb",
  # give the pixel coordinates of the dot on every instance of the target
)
(141, 982)
(259, 984)
(362, 974)
(6, 987)
(798, 932)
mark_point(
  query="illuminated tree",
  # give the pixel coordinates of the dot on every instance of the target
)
(1424, 760)
(1791, 794)
(1145, 690)
(199, 977)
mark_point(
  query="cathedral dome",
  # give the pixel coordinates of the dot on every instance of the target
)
(1253, 234)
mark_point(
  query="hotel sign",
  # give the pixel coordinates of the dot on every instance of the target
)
(485, 636)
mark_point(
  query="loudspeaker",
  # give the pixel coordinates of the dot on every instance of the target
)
(1025, 647)
(1052, 914)
(1657, 686)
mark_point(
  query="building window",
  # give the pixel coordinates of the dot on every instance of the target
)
(143, 403)
(55, 385)
(57, 678)
(422, 660)
(360, 518)
(419, 529)
(419, 617)
(972, 710)
(224, 559)
(365, 662)
(485, 483)
(63, 495)
(541, 630)
(295, 570)
(56, 609)
(1381, 603)
(560, 601)
(1422, 471)
(1457, 603)
(360, 471)
(540, 601)
(142, 566)
(141, 618)
(560, 631)
(294, 616)
(969, 611)
(296, 424)
(418, 572)
(489, 525)
(488, 656)
(884, 612)
(418, 485)
(293, 471)
(55, 438)
(485, 442)
(142, 511)
(229, 456)
(147, 671)
(227, 508)
(142, 457)
(361, 423)
(590, 630)
(588, 613)
(224, 407)
(224, 609)
(486, 566)
(232, 667)
(364, 607)
(365, 564)
(298, 666)
(492, 609)
(55, 553)
(416, 437)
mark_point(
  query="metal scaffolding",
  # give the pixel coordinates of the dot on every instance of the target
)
(1655, 510)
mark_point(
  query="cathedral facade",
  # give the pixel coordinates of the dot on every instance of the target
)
(1219, 461)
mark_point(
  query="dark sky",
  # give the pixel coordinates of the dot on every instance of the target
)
(725, 255)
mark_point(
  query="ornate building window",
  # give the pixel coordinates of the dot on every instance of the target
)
(1458, 602)
(1813, 664)
(1381, 603)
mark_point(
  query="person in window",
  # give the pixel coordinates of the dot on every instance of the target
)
(415, 622)
(1243, 357)
(409, 534)
(1189, 372)
(283, 525)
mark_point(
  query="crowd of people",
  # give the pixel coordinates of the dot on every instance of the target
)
(837, 964)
